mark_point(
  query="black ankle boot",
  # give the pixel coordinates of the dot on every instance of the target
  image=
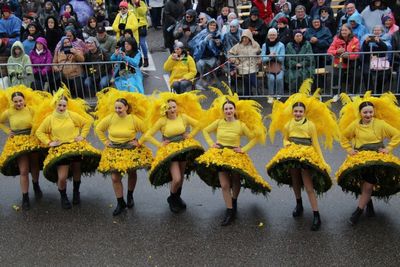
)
(298, 210)
(129, 200)
(145, 62)
(65, 204)
(37, 190)
(181, 203)
(121, 206)
(173, 201)
(76, 197)
(369, 211)
(229, 217)
(26, 205)
(355, 216)
(234, 205)
(316, 224)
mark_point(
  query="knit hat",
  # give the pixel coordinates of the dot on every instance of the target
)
(385, 18)
(297, 31)
(123, 4)
(254, 11)
(283, 20)
(235, 23)
(178, 44)
(5, 8)
(272, 31)
(92, 39)
(101, 29)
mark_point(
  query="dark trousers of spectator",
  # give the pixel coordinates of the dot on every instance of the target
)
(377, 81)
(76, 86)
(155, 13)
(182, 86)
(168, 39)
(40, 82)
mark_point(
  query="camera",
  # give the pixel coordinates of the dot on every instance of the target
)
(67, 50)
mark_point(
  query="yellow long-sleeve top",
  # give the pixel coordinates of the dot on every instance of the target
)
(63, 127)
(302, 129)
(120, 129)
(376, 131)
(180, 69)
(228, 133)
(170, 128)
(17, 119)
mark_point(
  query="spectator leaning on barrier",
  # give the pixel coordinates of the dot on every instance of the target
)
(376, 65)
(125, 19)
(344, 48)
(107, 42)
(174, 10)
(182, 69)
(53, 33)
(255, 25)
(374, 12)
(10, 26)
(187, 27)
(97, 73)
(127, 75)
(17, 74)
(206, 47)
(299, 68)
(273, 52)
(246, 61)
(70, 74)
(42, 74)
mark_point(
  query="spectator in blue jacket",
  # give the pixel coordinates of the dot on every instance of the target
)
(10, 26)
(356, 23)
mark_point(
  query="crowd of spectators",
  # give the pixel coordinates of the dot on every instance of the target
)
(283, 38)
(286, 40)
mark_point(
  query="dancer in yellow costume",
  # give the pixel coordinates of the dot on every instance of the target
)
(369, 169)
(121, 115)
(226, 164)
(22, 152)
(301, 119)
(64, 131)
(172, 114)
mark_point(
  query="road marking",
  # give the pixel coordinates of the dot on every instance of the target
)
(166, 79)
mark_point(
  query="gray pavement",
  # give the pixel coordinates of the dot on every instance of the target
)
(150, 235)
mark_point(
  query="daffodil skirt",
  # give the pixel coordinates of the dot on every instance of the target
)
(383, 170)
(17, 146)
(68, 153)
(186, 150)
(124, 160)
(300, 157)
(216, 160)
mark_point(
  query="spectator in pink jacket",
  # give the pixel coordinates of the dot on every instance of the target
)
(40, 54)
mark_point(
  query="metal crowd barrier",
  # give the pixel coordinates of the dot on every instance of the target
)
(333, 75)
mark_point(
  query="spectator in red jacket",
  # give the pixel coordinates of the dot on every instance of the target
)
(265, 9)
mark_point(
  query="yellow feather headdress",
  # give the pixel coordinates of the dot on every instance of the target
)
(316, 111)
(32, 98)
(385, 108)
(106, 98)
(48, 105)
(247, 111)
(188, 103)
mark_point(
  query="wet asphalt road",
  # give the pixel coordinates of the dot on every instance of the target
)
(150, 235)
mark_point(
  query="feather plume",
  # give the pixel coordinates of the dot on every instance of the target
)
(316, 111)
(247, 111)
